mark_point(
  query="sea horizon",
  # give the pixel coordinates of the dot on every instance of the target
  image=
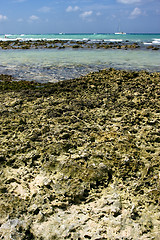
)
(48, 33)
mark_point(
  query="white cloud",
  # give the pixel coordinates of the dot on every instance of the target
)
(33, 18)
(3, 18)
(19, 1)
(20, 20)
(72, 9)
(86, 14)
(98, 13)
(158, 11)
(44, 9)
(128, 1)
(136, 12)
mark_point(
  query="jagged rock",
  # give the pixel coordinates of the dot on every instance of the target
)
(79, 159)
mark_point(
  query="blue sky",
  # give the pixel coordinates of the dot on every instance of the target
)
(77, 16)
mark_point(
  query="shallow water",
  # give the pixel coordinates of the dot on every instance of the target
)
(131, 37)
(53, 65)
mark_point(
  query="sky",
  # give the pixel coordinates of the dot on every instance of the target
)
(79, 16)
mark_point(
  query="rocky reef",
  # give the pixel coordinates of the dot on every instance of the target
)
(85, 44)
(79, 159)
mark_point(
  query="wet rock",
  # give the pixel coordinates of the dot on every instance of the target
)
(62, 44)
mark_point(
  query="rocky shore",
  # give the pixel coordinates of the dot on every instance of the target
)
(79, 159)
(81, 44)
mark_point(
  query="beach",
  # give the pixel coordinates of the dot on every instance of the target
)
(80, 158)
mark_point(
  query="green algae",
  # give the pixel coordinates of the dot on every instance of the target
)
(61, 44)
(63, 144)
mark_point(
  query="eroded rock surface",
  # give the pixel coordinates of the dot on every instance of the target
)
(79, 159)
(85, 44)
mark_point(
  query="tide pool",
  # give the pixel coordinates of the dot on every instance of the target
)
(51, 65)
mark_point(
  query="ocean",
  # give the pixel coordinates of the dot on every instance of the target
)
(51, 65)
(145, 38)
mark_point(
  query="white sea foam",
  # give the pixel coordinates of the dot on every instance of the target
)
(140, 38)
(156, 41)
(146, 43)
(113, 40)
(8, 35)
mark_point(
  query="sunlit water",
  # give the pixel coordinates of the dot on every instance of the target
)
(146, 38)
(53, 65)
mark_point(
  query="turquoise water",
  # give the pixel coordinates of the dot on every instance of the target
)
(53, 65)
(143, 38)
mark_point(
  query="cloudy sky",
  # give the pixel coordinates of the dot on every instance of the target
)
(77, 16)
